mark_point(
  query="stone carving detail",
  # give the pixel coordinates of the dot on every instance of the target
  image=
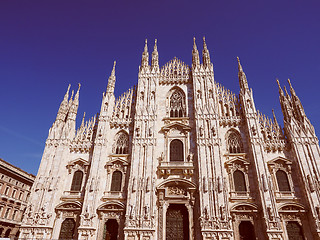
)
(176, 191)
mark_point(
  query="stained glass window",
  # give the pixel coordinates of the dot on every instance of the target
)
(239, 181)
(176, 150)
(283, 182)
(77, 181)
(116, 181)
(177, 104)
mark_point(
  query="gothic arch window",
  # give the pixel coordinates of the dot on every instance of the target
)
(283, 182)
(121, 144)
(176, 150)
(77, 181)
(239, 181)
(116, 181)
(234, 142)
(67, 229)
(177, 104)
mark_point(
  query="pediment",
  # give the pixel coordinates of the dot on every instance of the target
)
(280, 160)
(240, 159)
(79, 161)
(244, 207)
(176, 125)
(117, 160)
(69, 206)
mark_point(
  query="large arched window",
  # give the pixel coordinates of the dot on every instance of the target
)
(234, 142)
(116, 181)
(121, 144)
(77, 181)
(176, 150)
(283, 182)
(177, 104)
(67, 229)
(239, 181)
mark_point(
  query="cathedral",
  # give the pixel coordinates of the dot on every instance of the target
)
(178, 157)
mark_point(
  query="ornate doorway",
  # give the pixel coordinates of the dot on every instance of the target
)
(111, 230)
(67, 229)
(246, 231)
(294, 231)
(177, 223)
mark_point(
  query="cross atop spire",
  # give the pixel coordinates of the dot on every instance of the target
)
(112, 79)
(155, 56)
(195, 55)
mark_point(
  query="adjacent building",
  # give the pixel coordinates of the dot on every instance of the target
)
(178, 157)
(15, 187)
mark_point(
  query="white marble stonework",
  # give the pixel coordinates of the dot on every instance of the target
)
(177, 157)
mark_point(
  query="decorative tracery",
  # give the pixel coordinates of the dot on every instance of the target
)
(121, 144)
(177, 104)
(234, 142)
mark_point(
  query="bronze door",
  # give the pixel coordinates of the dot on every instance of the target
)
(177, 224)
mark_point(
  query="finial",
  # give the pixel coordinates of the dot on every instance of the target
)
(84, 115)
(113, 72)
(239, 65)
(290, 84)
(155, 46)
(194, 44)
(146, 46)
(79, 85)
(204, 43)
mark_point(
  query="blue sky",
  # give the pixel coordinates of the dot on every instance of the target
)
(45, 45)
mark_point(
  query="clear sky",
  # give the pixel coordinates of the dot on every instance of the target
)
(45, 45)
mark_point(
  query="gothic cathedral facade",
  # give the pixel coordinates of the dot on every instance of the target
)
(178, 157)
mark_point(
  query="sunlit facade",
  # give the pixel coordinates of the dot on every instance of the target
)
(178, 157)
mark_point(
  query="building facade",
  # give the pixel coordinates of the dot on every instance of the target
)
(178, 157)
(15, 187)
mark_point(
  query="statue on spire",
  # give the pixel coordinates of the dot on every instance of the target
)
(155, 57)
(195, 55)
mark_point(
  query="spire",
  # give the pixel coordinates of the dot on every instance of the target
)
(296, 103)
(205, 54)
(275, 119)
(112, 79)
(195, 55)
(73, 108)
(62, 112)
(155, 56)
(242, 77)
(280, 89)
(82, 122)
(293, 93)
(145, 56)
